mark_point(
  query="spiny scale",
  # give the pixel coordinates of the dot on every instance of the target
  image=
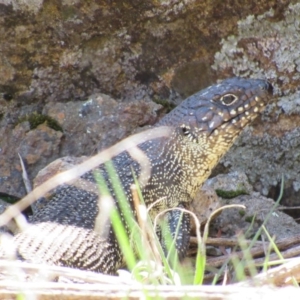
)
(66, 230)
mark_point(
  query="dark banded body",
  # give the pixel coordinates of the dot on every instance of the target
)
(203, 127)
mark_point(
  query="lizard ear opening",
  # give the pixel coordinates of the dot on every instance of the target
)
(184, 130)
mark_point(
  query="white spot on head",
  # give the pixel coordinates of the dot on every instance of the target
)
(255, 109)
(233, 112)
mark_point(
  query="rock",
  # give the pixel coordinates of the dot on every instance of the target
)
(83, 128)
(37, 147)
(63, 50)
(56, 167)
(207, 200)
(99, 122)
(233, 221)
(204, 204)
(230, 185)
(267, 46)
(39, 144)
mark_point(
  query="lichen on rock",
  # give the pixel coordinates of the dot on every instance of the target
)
(267, 46)
(25, 5)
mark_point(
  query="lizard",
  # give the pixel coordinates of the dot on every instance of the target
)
(66, 231)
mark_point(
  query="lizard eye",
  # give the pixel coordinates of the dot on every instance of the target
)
(228, 99)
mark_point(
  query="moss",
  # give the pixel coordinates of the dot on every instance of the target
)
(230, 194)
(242, 213)
(168, 106)
(36, 119)
(9, 198)
(249, 219)
(68, 12)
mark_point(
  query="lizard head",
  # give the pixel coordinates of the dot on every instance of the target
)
(222, 109)
(207, 123)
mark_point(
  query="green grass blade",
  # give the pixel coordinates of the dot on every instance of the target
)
(117, 224)
(200, 267)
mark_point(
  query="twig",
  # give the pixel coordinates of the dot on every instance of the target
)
(281, 275)
(25, 177)
(48, 271)
(289, 253)
(206, 228)
(256, 251)
(230, 242)
(54, 290)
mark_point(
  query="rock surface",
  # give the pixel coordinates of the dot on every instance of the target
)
(92, 125)
(234, 221)
(87, 126)
(267, 46)
(204, 204)
(62, 50)
(56, 54)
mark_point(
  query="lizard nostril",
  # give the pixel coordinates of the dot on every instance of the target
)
(268, 87)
